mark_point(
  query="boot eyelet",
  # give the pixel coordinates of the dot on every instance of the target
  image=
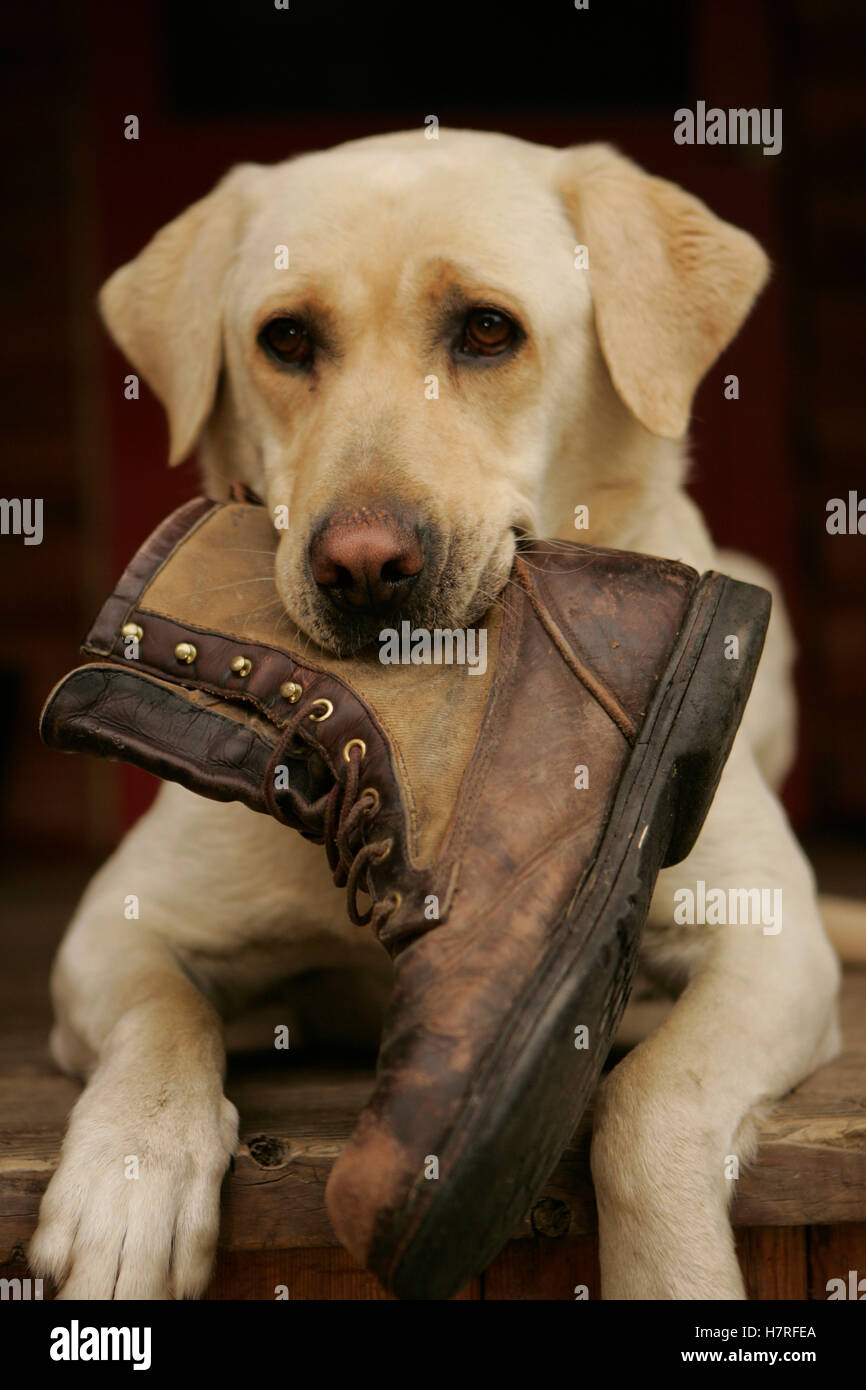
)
(327, 710)
(380, 858)
(377, 800)
(354, 743)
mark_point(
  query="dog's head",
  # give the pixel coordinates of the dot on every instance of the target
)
(426, 348)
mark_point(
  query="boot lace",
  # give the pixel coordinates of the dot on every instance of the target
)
(347, 812)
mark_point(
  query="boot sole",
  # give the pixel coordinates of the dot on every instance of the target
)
(535, 1082)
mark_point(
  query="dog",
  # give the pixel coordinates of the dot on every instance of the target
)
(430, 349)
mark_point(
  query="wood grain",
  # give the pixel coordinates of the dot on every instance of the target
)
(774, 1261)
(834, 1253)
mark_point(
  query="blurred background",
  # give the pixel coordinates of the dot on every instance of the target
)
(233, 80)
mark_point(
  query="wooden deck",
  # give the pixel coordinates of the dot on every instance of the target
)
(800, 1207)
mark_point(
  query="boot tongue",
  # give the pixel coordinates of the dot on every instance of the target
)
(221, 578)
(432, 716)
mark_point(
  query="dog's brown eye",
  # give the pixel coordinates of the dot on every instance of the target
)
(487, 332)
(287, 339)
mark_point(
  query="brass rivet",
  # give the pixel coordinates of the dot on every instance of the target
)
(186, 652)
(354, 743)
(291, 691)
(327, 707)
(241, 665)
(132, 630)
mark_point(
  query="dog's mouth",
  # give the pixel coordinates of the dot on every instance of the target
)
(437, 601)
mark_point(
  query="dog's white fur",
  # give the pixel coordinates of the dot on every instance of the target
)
(591, 410)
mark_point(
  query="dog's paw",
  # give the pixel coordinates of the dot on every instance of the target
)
(133, 1209)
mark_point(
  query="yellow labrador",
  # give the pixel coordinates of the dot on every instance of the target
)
(454, 340)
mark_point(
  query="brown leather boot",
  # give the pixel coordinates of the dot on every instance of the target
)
(509, 831)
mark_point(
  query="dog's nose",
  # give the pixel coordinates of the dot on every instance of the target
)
(366, 557)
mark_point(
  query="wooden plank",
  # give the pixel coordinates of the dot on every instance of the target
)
(811, 1163)
(545, 1268)
(304, 1274)
(275, 1197)
(774, 1261)
(837, 1252)
(777, 1263)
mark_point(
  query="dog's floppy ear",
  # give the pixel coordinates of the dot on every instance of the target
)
(671, 282)
(164, 309)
